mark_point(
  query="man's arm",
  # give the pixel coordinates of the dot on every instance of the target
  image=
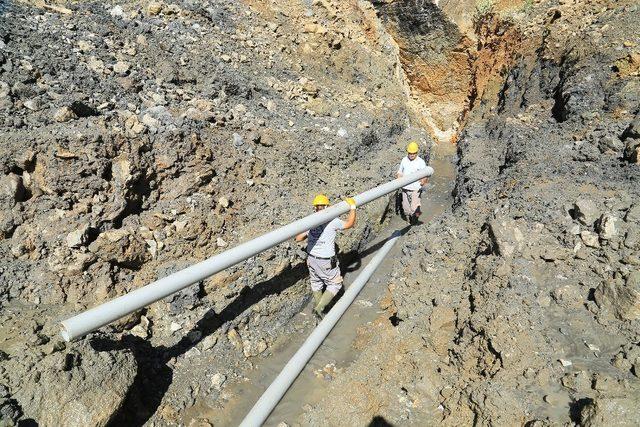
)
(351, 220)
(399, 174)
(300, 237)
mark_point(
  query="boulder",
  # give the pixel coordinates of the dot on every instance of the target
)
(590, 239)
(632, 150)
(621, 297)
(612, 411)
(586, 211)
(12, 186)
(7, 224)
(64, 114)
(154, 8)
(10, 410)
(78, 237)
(633, 214)
(609, 226)
(121, 247)
(631, 138)
(632, 239)
(506, 236)
(633, 130)
(83, 386)
(121, 67)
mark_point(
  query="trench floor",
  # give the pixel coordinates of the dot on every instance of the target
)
(337, 351)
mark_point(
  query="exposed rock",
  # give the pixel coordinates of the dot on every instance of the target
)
(12, 186)
(568, 296)
(79, 237)
(10, 411)
(586, 211)
(621, 297)
(121, 67)
(32, 104)
(590, 239)
(185, 300)
(142, 329)
(633, 130)
(209, 342)
(507, 237)
(69, 396)
(234, 338)
(611, 411)
(218, 380)
(154, 8)
(633, 214)
(116, 11)
(632, 151)
(609, 226)
(632, 239)
(321, 96)
(120, 246)
(224, 202)
(253, 348)
(64, 114)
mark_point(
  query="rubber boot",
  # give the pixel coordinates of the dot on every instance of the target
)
(317, 295)
(322, 304)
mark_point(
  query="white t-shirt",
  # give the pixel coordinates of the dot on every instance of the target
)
(322, 239)
(407, 167)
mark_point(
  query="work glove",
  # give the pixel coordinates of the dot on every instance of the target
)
(351, 202)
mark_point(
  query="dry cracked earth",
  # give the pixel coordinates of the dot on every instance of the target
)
(137, 138)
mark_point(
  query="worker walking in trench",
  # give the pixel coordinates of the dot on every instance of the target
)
(324, 270)
(411, 192)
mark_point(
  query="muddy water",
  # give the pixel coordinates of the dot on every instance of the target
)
(337, 351)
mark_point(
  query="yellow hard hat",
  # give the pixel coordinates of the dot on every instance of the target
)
(412, 148)
(321, 199)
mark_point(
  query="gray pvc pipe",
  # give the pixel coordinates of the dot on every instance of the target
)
(264, 406)
(110, 311)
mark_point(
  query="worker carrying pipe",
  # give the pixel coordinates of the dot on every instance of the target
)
(324, 269)
(412, 163)
(107, 312)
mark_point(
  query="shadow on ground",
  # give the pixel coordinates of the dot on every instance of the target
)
(379, 421)
(153, 376)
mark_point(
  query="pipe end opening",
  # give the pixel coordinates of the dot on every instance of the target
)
(65, 334)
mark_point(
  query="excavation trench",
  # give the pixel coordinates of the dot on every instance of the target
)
(338, 350)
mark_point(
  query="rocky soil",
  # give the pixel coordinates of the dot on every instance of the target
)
(522, 305)
(139, 137)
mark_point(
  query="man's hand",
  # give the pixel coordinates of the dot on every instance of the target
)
(351, 221)
(351, 202)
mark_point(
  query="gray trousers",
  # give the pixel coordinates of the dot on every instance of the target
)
(321, 274)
